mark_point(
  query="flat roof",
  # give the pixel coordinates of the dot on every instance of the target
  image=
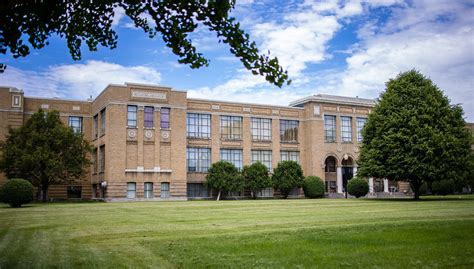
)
(334, 99)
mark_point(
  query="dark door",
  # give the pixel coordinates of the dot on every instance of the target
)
(347, 174)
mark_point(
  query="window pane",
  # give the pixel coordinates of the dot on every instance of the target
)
(165, 117)
(330, 128)
(148, 116)
(360, 124)
(233, 156)
(76, 124)
(346, 129)
(198, 159)
(198, 125)
(132, 116)
(131, 190)
(165, 190)
(263, 156)
(289, 130)
(231, 127)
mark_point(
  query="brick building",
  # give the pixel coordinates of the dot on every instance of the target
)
(153, 142)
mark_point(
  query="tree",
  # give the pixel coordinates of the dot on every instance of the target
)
(223, 176)
(256, 178)
(414, 134)
(44, 151)
(91, 22)
(287, 176)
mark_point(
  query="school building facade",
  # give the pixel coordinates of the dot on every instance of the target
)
(152, 142)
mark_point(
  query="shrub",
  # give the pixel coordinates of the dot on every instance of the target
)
(287, 176)
(443, 187)
(423, 189)
(223, 176)
(16, 192)
(313, 187)
(358, 187)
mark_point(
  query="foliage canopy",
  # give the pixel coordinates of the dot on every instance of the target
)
(256, 177)
(414, 134)
(92, 22)
(223, 176)
(287, 176)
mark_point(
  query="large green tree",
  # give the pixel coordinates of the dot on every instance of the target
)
(44, 151)
(223, 176)
(34, 22)
(414, 134)
(287, 176)
(256, 177)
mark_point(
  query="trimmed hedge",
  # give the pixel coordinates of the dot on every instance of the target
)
(313, 187)
(16, 192)
(443, 187)
(358, 187)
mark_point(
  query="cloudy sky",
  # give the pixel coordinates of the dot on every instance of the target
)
(346, 48)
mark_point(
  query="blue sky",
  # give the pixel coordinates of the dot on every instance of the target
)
(346, 48)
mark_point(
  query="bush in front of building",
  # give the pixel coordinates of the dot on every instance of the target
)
(256, 178)
(358, 187)
(16, 192)
(443, 187)
(313, 187)
(223, 176)
(287, 176)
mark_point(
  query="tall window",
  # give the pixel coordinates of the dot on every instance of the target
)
(102, 158)
(360, 124)
(290, 156)
(261, 129)
(289, 130)
(233, 156)
(148, 190)
(94, 160)
(132, 116)
(231, 127)
(197, 190)
(165, 190)
(148, 116)
(198, 125)
(198, 159)
(263, 156)
(96, 126)
(346, 129)
(330, 128)
(330, 165)
(102, 122)
(76, 124)
(165, 118)
(131, 190)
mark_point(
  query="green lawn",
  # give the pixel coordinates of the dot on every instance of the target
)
(325, 233)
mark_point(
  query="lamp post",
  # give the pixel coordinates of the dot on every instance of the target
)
(103, 186)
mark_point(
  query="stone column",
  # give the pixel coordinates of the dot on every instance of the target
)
(339, 179)
(371, 184)
(385, 185)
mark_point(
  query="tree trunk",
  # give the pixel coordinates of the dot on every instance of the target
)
(415, 185)
(45, 193)
(218, 195)
(253, 194)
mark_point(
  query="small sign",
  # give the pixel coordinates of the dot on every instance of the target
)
(76, 108)
(216, 107)
(151, 95)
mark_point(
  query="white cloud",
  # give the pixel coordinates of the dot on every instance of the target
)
(435, 39)
(77, 80)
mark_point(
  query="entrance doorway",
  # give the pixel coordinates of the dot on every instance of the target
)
(347, 172)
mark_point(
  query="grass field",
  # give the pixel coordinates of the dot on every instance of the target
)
(326, 233)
